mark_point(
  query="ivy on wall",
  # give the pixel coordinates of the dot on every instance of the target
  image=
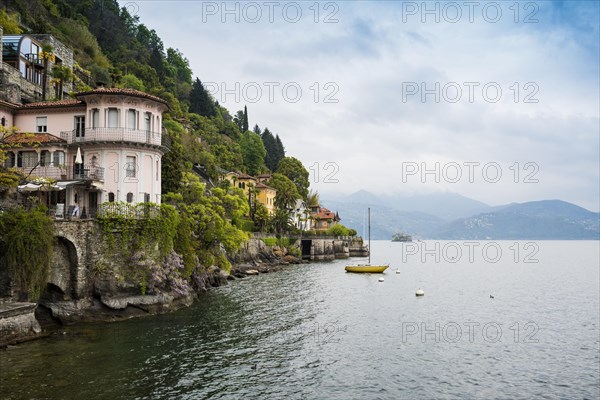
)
(26, 240)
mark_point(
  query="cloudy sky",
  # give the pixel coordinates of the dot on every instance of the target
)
(498, 101)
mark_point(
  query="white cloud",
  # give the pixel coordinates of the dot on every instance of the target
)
(371, 54)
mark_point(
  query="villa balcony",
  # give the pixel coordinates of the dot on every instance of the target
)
(34, 59)
(115, 135)
(69, 172)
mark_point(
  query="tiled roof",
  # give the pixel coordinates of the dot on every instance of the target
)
(245, 176)
(128, 92)
(9, 104)
(46, 104)
(263, 186)
(33, 138)
(324, 214)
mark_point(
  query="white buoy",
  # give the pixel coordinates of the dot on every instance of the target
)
(420, 292)
(381, 279)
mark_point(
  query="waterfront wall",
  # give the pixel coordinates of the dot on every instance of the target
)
(89, 281)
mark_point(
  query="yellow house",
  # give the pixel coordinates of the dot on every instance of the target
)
(266, 196)
(241, 181)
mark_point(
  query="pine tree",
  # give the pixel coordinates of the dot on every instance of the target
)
(200, 101)
(279, 150)
(271, 147)
(257, 130)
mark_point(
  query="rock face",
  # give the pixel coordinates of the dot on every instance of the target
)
(93, 280)
(18, 322)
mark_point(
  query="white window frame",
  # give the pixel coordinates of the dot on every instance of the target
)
(130, 167)
(79, 125)
(41, 124)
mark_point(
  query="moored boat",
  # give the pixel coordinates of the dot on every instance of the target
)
(373, 269)
(367, 268)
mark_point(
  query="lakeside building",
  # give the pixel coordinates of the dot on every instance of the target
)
(323, 218)
(103, 146)
(36, 67)
(254, 188)
(301, 216)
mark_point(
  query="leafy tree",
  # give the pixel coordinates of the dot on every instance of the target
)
(62, 74)
(287, 192)
(261, 217)
(295, 171)
(339, 230)
(201, 101)
(173, 164)
(239, 120)
(282, 222)
(253, 152)
(10, 22)
(313, 199)
(131, 81)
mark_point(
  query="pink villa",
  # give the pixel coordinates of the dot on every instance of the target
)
(103, 146)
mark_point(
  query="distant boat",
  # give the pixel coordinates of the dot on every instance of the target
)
(401, 237)
(367, 268)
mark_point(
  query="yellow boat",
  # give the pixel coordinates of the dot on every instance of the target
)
(370, 269)
(367, 268)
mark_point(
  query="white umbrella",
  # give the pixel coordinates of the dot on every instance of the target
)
(29, 187)
(78, 158)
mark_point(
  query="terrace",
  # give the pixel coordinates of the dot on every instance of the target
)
(116, 135)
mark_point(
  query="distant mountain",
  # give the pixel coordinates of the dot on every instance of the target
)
(547, 219)
(385, 221)
(445, 205)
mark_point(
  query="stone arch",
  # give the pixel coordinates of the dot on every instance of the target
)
(63, 270)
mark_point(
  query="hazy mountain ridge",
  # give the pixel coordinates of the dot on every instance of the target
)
(546, 219)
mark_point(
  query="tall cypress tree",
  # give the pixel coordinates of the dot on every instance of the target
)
(245, 125)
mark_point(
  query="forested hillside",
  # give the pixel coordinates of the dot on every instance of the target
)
(118, 50)
(114, 48)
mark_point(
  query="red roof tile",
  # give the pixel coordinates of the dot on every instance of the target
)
(263, 186)
(23, 137)
(128, 92)
(245, 176)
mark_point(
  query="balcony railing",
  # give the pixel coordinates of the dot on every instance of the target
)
(34, 59)
(69, 172)
(113, 135)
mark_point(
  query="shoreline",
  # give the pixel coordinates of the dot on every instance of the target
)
(24, 322)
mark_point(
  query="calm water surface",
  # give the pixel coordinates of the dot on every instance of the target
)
(314, 331)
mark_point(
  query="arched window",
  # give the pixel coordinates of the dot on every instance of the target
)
(111, 197)
(129, 197)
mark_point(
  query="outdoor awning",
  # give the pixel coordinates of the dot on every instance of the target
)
(64, 184)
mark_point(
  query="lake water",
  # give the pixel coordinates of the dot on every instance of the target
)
(316, 332)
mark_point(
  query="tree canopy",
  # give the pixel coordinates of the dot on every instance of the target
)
(293, 169)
